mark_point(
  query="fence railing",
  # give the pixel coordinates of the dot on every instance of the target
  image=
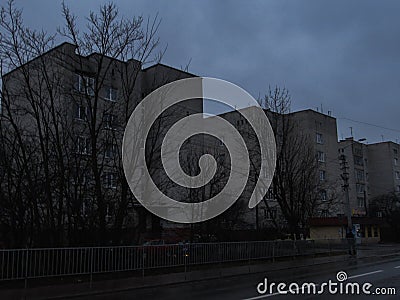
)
(50, 262)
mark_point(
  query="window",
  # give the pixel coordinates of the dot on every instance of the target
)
(360, 201)
(83, 145)
(322, 175)
(323, 195)
(109, 121)
(110, 180)
(321, 156)
(397, 174)
(270, 194)
(270, 214)
(85, 84)
(358, 151)
(81, 177)
(398, 188)
(80, 112)
(359, 175)
(395, 161)
(319, 138)
(111, 150)
(360, 188)
(395, 151)
(358, 160)
(324, 213)
(111, 94)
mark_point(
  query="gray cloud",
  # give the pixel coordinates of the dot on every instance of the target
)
(341, 54)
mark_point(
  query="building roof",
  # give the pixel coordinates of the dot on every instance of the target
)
(309, 110)
(169, 67)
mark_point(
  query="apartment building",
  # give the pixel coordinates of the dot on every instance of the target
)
(383, 168)
(70, 112)
(321, 130)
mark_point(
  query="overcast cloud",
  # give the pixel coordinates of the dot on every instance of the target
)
(343, 55)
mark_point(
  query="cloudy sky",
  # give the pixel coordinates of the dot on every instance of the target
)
(343, 56)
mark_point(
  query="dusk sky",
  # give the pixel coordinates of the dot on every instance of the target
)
(343, 56)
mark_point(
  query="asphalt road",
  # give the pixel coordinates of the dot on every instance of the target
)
(383, 274)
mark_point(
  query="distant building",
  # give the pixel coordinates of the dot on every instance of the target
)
(383, 168)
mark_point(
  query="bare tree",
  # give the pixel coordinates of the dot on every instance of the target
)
(296, 185)
(54, 168)
(388, 206)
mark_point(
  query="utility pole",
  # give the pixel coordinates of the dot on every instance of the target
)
(345, 177)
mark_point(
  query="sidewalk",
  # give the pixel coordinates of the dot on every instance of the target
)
(365, 254)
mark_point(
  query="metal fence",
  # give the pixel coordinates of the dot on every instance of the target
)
(50, 262)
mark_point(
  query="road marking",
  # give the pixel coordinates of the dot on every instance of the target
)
(365, 274)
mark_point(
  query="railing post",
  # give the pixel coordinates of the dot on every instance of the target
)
(91, 268)
(143, 260)
(273, 251)
(185, 256)
(26, 268)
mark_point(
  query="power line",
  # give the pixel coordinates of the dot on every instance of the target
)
(370, 124)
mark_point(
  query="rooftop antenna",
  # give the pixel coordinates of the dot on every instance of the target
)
(351, 131)
(382, 137)
(322, 111)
